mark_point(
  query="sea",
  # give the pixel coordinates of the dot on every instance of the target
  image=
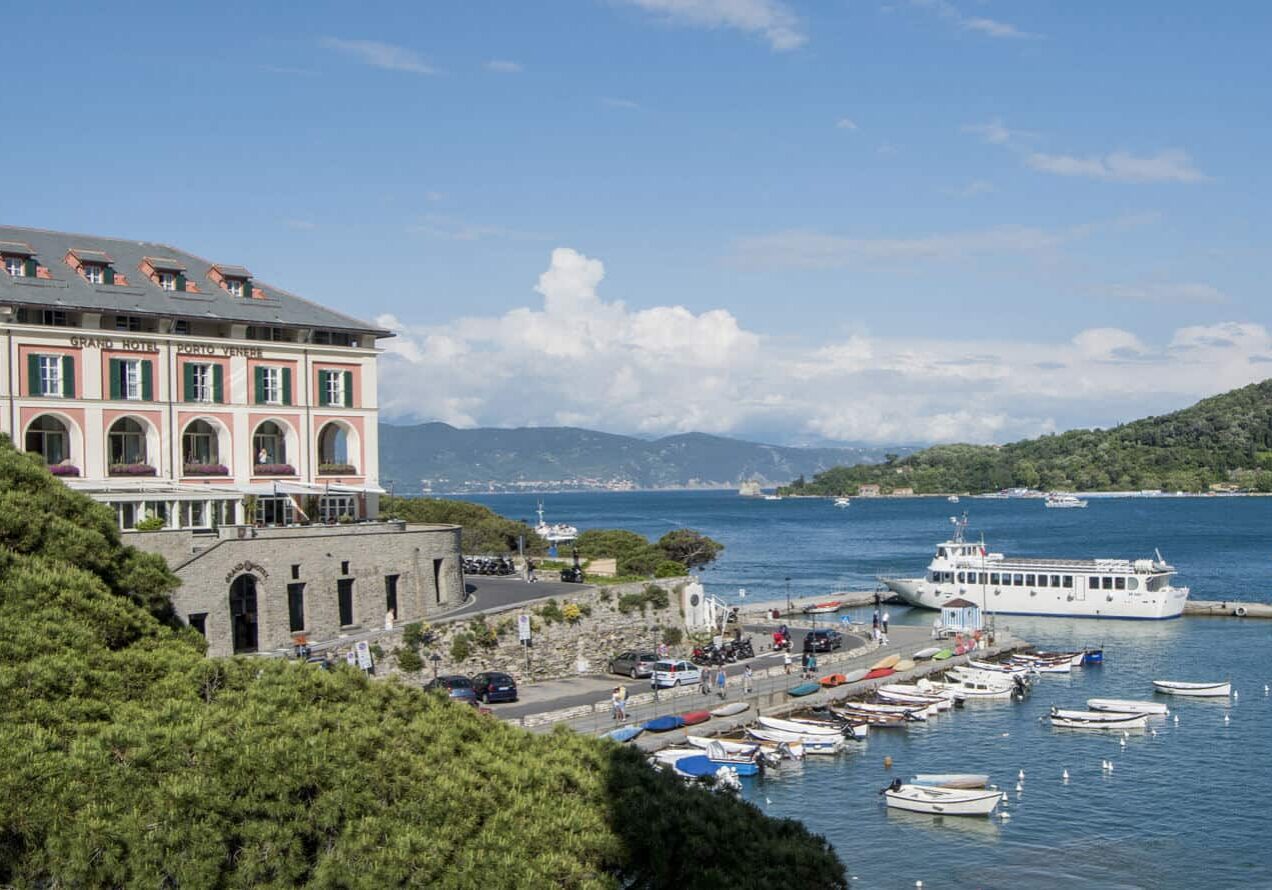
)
(1186, 804)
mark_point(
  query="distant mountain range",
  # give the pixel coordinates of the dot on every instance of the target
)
(446, 459)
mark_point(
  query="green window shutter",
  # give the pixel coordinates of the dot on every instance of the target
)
(108, 275)
(116, 378)
(348, 388)
(322, 388)
(181, 282)
(260, 385)
(187, 378)
(218, 384)
(287, 400)
(68, 376)
(147, 381)
(30, 269)
(33, 375)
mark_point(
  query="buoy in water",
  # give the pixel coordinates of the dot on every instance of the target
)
(887, 762)
(1021, 775)
(1065, 775)
(1019, 787)
(1122, 742)
(1226, 718)
(1176, 719)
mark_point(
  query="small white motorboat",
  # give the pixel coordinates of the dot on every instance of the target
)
(1128, 706)
(1056, 500)
(894, 710)
(802, 727)
(951, 780)
(1066, 719)
(812, 744)
(843, 502)
(777, 750)
(730, 709)
(941, 801)
(915, 700)
(953, 499)
(969, 688)
(1013, 669)
(924, 654)
(1199, 690)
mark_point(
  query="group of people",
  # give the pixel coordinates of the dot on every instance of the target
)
(720, 681)
(880, 629)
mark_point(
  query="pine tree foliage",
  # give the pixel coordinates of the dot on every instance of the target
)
(132, 760)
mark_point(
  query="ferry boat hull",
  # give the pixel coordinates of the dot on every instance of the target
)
(1049, 603)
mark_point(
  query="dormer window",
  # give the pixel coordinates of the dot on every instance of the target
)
(94, 265)
(235, 286)
(166, 272)
(168, 281)
(94, 273)
(15, 266)
(236, 280)
(19, 259)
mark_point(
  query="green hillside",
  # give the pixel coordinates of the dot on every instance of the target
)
(1223, 439)
(131, 760)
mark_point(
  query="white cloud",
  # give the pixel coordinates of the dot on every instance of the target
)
(988, 27)
(1165, 292)
(993, 28)
(972, 189)
(994, 132)
(578, 358)
(503, 66)
(771, 19)
(1171, 165)
(846, 123)
(617, 102)
(380, 55)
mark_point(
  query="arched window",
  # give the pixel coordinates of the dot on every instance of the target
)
(127, 443)
(333, 450)
(48, 437)
(269, 445)
(199, 445)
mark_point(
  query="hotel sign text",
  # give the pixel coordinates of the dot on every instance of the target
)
(131, 345)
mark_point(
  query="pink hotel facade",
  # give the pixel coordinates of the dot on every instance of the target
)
(167, 385)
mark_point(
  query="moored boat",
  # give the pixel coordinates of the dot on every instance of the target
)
(904, 664)
(951, 780)
(664, 724)
(855, 676)
(730, 709)
(832, 680)
(1197, 690)
(823, 608)
(941, 801)
(625, 733)
(803, 689)
(887, 662)
(877, 673)
(1128, 706)
(802, 727)
(745, 745)
(924, 654)
(1055, 500)
(812, 744)
(1067, 719)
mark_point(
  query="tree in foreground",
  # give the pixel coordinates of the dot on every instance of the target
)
(130, 759)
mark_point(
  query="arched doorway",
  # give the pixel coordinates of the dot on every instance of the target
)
(269, 445)
(243, 613)
(126, 443)
(48, 437)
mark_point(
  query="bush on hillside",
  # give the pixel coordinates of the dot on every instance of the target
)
(484, 531)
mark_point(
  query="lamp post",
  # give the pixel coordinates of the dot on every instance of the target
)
(788, 596)
(435, 658)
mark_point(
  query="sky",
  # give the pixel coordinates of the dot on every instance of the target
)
(888, 222)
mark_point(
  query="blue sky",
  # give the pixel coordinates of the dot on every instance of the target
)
(907, 221)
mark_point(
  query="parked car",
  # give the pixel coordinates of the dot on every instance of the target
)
(493, 686)
(823, 641)
(456, 686)
(676, 673)
(633, 664)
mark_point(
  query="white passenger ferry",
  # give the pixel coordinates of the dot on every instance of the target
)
(1071, 588)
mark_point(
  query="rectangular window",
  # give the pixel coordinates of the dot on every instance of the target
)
(296, 607)
(390, 593)
(437, 579)
(1093, 583)
(993, 577)
(94, 274)
(234, 286)
(335, 507)
(344, 592)
(275, 510)
(1119, 583)
(181, 326)
(333, 388)
(130, 379)
(1108, 583)
(199, 621)
(54, 318)
(50, 375)
(201, 383)
(1029, 581)
(1068, 581)
(1018, 580)
(296, 572)
(15, 266)
(272, 386)
(1042, 580)
(344, 567)
(127, 323)
(168, 281)
(1055, 580)
(984, 578)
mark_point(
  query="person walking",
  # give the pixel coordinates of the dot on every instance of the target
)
(616, 701)
(721, 681)
(748, 680)
(704, 679)
(875, 621)
(812, 666)
(653, 684)
(786, 661)
(885, 623)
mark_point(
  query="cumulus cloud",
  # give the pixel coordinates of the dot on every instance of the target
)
(379, 55)
(503, 66)
(771, 19)
(575, 357)
(1172, 165)
(846, 123)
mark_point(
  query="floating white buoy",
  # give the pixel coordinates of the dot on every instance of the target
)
(768, 802)
(1019, 787)
(1004, 815)
(1122, 742)
(1065, 775)
(1176, 719)
(1154, 732)
(918, 883)
(1235, 695)
(1110, 766)
(1021, 775)
(1004, 798)
(1125, 734)
(1266, 689)
(1226, 718)
(1005, 735)
(1104, 765)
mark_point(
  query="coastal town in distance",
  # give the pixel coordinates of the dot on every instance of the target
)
(635, 444)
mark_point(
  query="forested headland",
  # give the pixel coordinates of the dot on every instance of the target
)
(130, 759)
(1224, 439)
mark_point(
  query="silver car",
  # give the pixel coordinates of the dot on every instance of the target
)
(634, 664)
(676, 673)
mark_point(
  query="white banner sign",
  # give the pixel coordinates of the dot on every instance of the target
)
(363, 648)
(523, 628)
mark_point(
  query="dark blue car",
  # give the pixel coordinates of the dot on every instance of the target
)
(493, 686)
(456, 687)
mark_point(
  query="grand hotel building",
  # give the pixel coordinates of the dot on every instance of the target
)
(168, 385)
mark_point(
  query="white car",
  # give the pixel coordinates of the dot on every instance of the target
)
(676, 673)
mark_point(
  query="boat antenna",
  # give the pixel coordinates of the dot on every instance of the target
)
(540, 512)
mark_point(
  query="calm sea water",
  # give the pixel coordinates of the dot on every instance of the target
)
(1187, 807)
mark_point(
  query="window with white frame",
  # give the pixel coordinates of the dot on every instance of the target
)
(50, 375)
(334, 507)
(272, 383)
(94, 273)
(234, 286)
(168, 280)
(15, 266)
(335, 387)
(130, 379)
(201, 380)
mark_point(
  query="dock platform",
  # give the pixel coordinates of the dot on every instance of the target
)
(1227, 609)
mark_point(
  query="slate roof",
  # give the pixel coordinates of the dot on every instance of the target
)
(68, 290)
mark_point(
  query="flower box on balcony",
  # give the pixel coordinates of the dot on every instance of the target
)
(207, 470)
(64, 470)
(132, 470)
(275, 470)
(337, 470)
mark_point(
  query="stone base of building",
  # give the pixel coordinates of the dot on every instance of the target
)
(259, 590)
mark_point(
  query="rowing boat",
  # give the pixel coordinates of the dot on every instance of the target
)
(1066, 719)
(832, 680)
(1128, 706)
(692, 718)
(904, 664)
(943, 654)
(951, 780)
(664, 724)
(1198, 690)
(887, 662)
(804, 689)
(924, 654)
(876, 673)
(730, 709)
(941, 801)
(813, 744)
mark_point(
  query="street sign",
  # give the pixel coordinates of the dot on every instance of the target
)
(523, 628)
(363, 648)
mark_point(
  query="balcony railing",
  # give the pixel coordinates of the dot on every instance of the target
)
(337, 470)
(132, 470)
(274, 470)
(206, 470)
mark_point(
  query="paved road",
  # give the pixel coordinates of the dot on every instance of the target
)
(497, 593)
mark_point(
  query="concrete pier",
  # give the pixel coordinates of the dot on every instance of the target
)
(1227, 609)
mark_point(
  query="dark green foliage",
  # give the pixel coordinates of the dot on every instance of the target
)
(130, 760)
(413, 635)
(1227, 438)
(672, 636)
(408, 659)
(461, 647)
(485, 531)
(151, 524)
(656, 596)
(652, 595)
(550, 612)
(637, 557)
(603, 543)
(689, 548)
(669, 569)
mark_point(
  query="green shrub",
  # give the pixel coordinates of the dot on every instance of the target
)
(377, 651)
(461, 647)
(151, 524)
(630, 602)
(604, 595)
(413, 635)
(669, 569)
(656, 596)
(551, 612)
(408, 659)
(672, 636)
(505, 626)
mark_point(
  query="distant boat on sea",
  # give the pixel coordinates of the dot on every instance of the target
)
(842, 502)
(749, 490)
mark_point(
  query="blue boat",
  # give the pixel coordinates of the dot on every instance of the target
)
(699, 765)
(665, 724)
(804, 689)
(625, 733)
(1093, 656)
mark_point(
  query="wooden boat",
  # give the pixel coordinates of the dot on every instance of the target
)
(1096, 720)
(803, 689)
(855, 676)
(1128, 706)
(876, 673)
(888, 662)
(924, 654)
(1076, 659)
(941, 801)
(977, 688)
(904, 664)
(1015, 670)
(1197, 690)
(943, 654)
(745, 745)
(736, 707)
(951, 780)
(1092, 656)
(693, 718)
(625, 733)
(803, 727)
(1037, 665)
(933, 703)
(823, 608)
(869, 707)
(664, 724)
(832, 680)
(883, 721)
(813, 744)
